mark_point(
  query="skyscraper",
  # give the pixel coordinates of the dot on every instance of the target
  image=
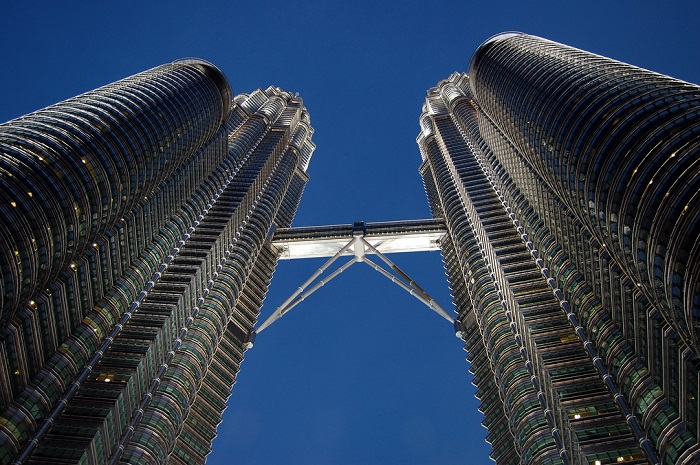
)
(133, 227)
(569, 185)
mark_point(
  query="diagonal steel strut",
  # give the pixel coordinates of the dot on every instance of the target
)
(285, 306)
(411, 287)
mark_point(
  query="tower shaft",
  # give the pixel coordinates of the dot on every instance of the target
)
(135, 261)
(560, 174)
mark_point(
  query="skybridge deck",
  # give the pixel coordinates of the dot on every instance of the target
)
(386, 237)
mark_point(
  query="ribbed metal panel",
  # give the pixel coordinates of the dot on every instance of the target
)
(70, 171)
(620, 147)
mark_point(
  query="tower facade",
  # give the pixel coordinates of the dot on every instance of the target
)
(134, 261)
(569, 185)
(134, 227)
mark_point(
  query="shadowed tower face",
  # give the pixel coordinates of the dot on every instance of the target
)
(569, 186)
(134, 261)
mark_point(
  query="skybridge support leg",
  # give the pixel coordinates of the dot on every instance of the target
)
(285, 307)
(416, 292)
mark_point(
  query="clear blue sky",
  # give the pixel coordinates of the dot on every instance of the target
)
(360, 373)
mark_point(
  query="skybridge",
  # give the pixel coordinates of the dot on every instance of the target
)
(357, 241)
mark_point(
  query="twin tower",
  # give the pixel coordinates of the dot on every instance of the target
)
(138, 225)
